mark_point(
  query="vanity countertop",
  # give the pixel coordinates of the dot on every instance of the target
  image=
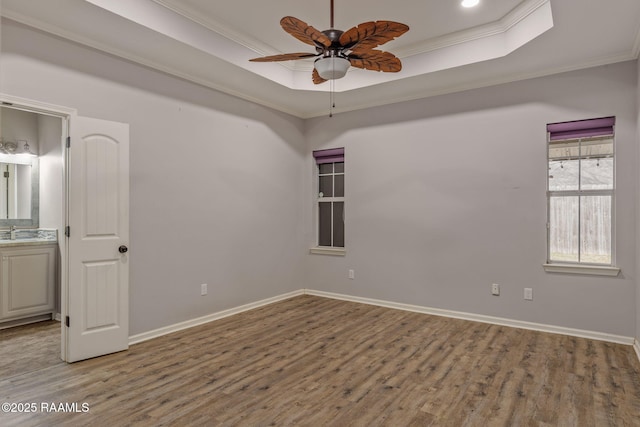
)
(29, 237)
(4, 243)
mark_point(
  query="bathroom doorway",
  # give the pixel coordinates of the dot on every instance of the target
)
(88, 174)
(32, 217)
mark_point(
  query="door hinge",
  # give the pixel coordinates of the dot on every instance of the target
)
(66, 321)
(67, 231)
(68, 142)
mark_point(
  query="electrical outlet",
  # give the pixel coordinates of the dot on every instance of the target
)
(352, 274)
(528, 294)
(203, 289)
(495, 289)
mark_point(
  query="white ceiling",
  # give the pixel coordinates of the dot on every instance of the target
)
(448, 48)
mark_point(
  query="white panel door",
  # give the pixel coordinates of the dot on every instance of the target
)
(98, 217)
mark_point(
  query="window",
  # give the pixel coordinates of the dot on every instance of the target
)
(330, 197)
(580, 192)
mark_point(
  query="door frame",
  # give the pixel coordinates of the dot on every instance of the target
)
(67, 115)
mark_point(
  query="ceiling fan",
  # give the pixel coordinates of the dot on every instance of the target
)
(337, 50)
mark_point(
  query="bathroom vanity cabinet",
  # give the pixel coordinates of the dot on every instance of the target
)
(27, 280)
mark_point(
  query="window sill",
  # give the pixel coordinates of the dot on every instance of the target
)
(319, 250)
(595, 270)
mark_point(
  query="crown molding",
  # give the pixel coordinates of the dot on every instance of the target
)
(259, 47)
(636, 44)
(403, 96)
(85, 41)
(34, 106)
(217, 27)
(479, 84)
(495, 28)
(502, 25)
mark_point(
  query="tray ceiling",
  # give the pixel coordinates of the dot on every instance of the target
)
(448, 48)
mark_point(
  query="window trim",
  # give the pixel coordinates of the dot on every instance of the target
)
(332, 155)
(579, 130)
(328, 250)
(589, 269)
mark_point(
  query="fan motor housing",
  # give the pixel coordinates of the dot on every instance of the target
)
(334, 36)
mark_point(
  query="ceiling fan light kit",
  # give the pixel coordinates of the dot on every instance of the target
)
(332, 67)
(337, 50)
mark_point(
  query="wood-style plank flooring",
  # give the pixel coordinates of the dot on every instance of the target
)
(313, 361)
(29, 348)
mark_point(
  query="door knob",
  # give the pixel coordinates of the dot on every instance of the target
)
(123, 249)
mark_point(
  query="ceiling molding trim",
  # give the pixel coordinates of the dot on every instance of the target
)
(479, 84)
(522, 11)
(218, 27)
(626, 55)
(636, 44)
(260, 48)
(514, 17)
(75, 38)
(35, 106)
(56, 31)
(520, 26)
(504, 24)
(157, 18)
(525, 25)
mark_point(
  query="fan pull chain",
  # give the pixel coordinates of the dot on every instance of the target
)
(332, 97)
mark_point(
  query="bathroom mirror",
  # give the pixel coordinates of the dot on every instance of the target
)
(19, 192)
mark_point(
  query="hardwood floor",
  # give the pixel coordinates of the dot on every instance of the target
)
(312, 361)
(29, 348)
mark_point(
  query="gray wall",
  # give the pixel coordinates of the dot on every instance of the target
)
(51, 172)
(52, 185)
(19, 125)
(446, 195)
(638, 213)
(215, 181)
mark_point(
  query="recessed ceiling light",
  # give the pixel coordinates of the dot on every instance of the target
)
(470, 3)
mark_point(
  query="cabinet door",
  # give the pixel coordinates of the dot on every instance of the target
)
(28, 281)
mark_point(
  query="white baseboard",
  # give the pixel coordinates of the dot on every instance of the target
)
(138, 338)
(600, 336)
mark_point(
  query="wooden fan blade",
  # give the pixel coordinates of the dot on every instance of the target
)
(304, 32)
(368, 35)
(376, 60)
(284, 57)
(316, 77)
